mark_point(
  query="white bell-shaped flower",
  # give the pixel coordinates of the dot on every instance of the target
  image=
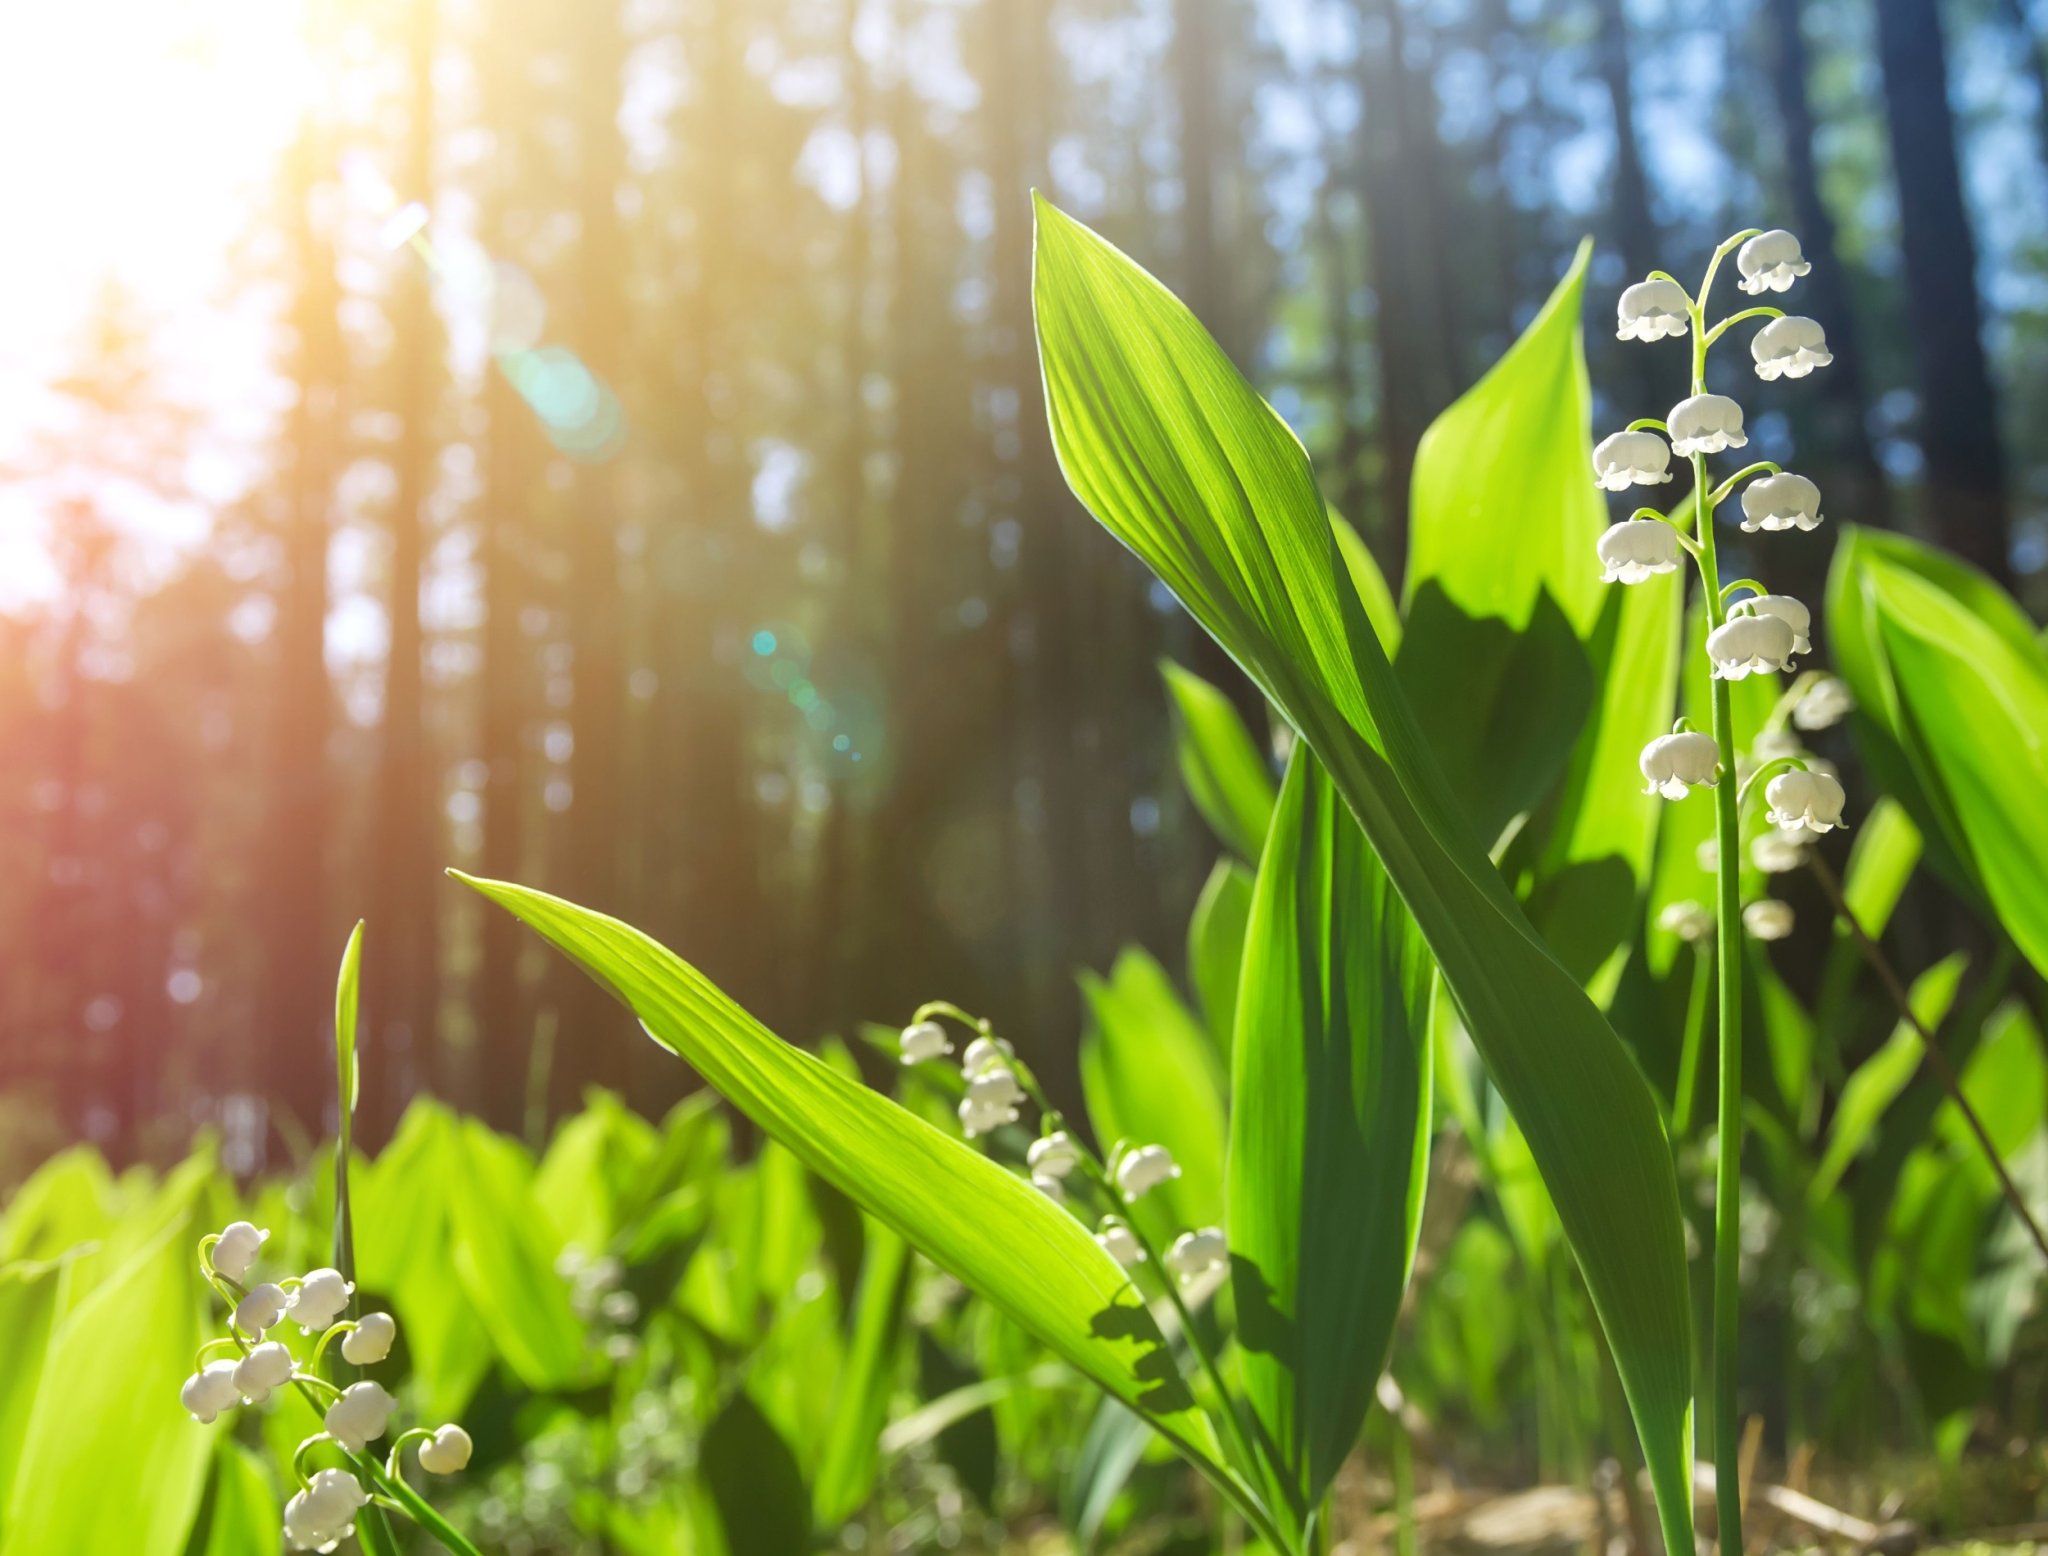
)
(1791, 612)
(1055, 1155)
(260, 1309)
(1777, 502)
(1196, 1254)
(235, 1252)
(446, 1452)
(1625, 459)
(1052, 1188)
(979, 1116)
(1767, 919)
(995, 1086)
(1749, 645)
(1790, 347)
(1688, 920)
(984, 1052)
(323, 1515)
(1120, 1243)
(1778, 850)
(922, 1041)
(1823, 705)
(1637, 549)
(360, 1415)
(1705, 424)
(1142, 1170)
(210, 1390)
(1673, 763)
(321, 1298)
(1810, 800)
(267, 1367)
(1651, 310)
(371, 1339)
(1770, 262)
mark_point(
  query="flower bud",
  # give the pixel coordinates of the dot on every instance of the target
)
(1705, 424)
(260, 1309)
(267, 1367)
(1770, 262)
(984, 1052)
(322, 1297)
(1780, 502)
(1637, 549)
(1196, 1254)
(1767, 919)
(1790, 347)
(1671, 763)
(1688, 920)
(1054, 1155)
(979, 1116)
(1809, 800)
(1143, 1170)
(1651, 310)
(995, 1086)
(1120, 1243)
(1625, 459)
(922, 1041)
(1823, 705)
(371, 1339)
(1052, 1188)
(360, 1415)
(210, 1390)
(237, 1248)
(447, 1452)
(1778, 850)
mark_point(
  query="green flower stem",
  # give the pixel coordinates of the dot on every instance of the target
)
(1689, 1048)
(1736, 318)
(418, 1509)
(346, 1326)
(417, 1434)
(1775, 765)
(1741, 583)
(1648, 424)
(1761, 467)
(1665, 275)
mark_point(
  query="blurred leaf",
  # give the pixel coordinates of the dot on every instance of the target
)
(68, 1200)
(1115, 1442)
(1220, 762)
(969, 1443)
(28, 1313)
(755, 1483)
(595, 1166)
(852, 1455)
(2006, 1085)
(1329, 1142)
(1881, 862)
(1371, 584)
(1504, 507)
(1173, 451)
(1151, 1073)
(240, 1514)
(348, 1084)
(1216, 946)
(988, 1227)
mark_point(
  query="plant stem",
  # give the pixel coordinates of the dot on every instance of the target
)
(1689, 1048)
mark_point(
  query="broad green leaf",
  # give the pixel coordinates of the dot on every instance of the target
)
(28, 1312)
(110, 1460)
(755, 1483)
(1875, 1083)
(595, 1166)
(852, 1455)
(1329, 1140)
(70, 1199)
(1504, 506)
(1881, 862)
(1177, 456)
(1371, 584)
(2006, 1085)
(1216, 946)
(987, 1227)
(240, 1514)
(1151, 1073)
(1220, 762)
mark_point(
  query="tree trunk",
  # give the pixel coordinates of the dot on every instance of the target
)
(1959, 435)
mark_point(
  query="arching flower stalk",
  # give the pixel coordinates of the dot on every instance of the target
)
(1759, 634)
(253, 1361)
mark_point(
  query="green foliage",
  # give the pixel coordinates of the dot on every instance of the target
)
(1329, 1136)
(1178, 457)
(1216, 945)
(1220, 762)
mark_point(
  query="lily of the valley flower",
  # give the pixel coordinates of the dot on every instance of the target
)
(235, 1252)
(1778, 850)
(267, 1367)
(1778, 502)
(1120, 1243)
(1770, 262)
(1653, 309)
(1688, 920)
(1054, 1155)
(923, 1040)
(1823, 705)
(324, 1514)
(1625, 459)
(984, 1052)
(261, 1308)
(321, 1299)
(371, 1339)
(1705, 424)
(360, 1415)
(1636, 549)
(1143, 1170)
(1749, 645)
(1791, 612)
(1805, 799)
(1767, 919)
(447, 1452)
(1673, 763)
(1052, 1188)
(1197, 1254)
(210, 1390)
(1790, 347)
(979, 1116)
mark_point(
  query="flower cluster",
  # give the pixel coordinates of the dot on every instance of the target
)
(1060, 1167)
(253, 1362)
(1760, 632)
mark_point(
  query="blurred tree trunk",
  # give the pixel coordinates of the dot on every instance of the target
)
(295, 1012)
(1959, 433)
(401, 960)
(1633, 225)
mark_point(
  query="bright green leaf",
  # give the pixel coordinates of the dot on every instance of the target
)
(1220, 762)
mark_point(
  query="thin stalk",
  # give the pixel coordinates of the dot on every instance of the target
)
(1689, 1049)
(1936, 1059)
